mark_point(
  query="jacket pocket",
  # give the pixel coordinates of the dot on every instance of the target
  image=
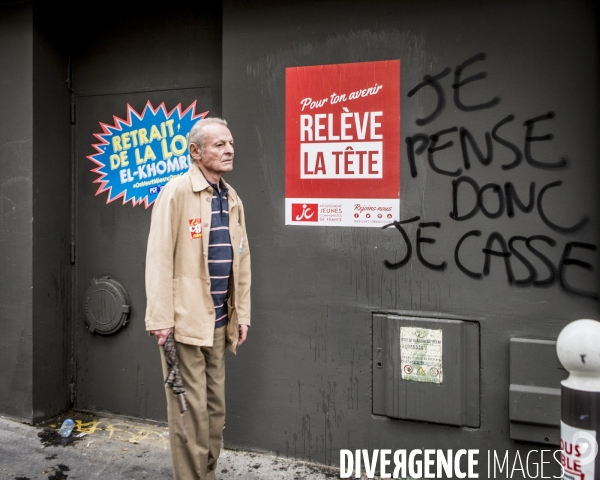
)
(191, 309)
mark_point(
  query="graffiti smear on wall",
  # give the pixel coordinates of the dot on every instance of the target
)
(470, 198)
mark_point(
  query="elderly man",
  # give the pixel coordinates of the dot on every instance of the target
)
(198, 288)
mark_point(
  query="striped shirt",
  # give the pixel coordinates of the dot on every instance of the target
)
(220, 253)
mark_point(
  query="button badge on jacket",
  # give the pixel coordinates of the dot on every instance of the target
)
(195, 227)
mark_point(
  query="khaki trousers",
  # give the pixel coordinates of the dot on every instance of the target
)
(203, 373)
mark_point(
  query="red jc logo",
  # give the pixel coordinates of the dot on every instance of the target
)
(195, 227)
(305, 212)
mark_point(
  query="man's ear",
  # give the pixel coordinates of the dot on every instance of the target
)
(195, 152)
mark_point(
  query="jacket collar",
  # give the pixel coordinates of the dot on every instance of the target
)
(200, 183)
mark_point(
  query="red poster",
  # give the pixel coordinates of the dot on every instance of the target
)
(343, 144)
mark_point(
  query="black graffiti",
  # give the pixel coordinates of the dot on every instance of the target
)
(567, 260)
(530, 138)
(434, 148)
(439, 267)
(526, 263)
(423, 139)
(512, 198)
(503, 253)
(459, 82)
(508, 198)
(466, 136)
(454, 150)
(406, 259)
(420, 240)
(469, 147)
(496, 246)
(549, 265)
(459, 264)
(552, 225)
(505, 143)
(432, 81)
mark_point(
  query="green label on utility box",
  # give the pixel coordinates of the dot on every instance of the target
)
(421, 354)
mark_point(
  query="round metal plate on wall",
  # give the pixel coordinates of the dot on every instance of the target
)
(106, 305)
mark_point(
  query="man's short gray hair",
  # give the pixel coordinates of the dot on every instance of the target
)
(198, 132)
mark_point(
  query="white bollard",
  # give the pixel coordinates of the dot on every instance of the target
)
(578, 349)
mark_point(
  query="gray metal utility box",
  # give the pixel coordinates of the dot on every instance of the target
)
(439, 386)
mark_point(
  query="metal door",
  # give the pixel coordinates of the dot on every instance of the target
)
(120, 372)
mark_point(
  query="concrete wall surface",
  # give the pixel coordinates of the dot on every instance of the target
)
(35, 153)
(302, 384)
(52, 368)
(16, 138)
(504, 193)
(171, 57)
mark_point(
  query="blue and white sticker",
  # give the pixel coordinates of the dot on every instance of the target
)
(137, 156)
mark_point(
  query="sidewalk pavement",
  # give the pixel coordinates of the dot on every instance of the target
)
(117, 448)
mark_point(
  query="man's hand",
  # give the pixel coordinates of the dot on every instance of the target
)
(243, 330)
(161, 335)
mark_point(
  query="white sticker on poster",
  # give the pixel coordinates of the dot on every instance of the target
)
(421, 354)
(578, 452)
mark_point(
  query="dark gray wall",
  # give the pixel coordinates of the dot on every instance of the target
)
(171, 56)
(147, 50)
(51, 214)
(16, 123)
(35, 168)
(301, 385)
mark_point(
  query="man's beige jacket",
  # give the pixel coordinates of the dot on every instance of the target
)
(177, 276)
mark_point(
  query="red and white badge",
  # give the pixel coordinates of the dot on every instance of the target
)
(195, 227)
(305, 212)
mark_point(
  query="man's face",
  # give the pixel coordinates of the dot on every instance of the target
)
(217, 157)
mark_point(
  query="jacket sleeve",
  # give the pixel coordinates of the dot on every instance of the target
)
(243, 286)
(159, 262)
